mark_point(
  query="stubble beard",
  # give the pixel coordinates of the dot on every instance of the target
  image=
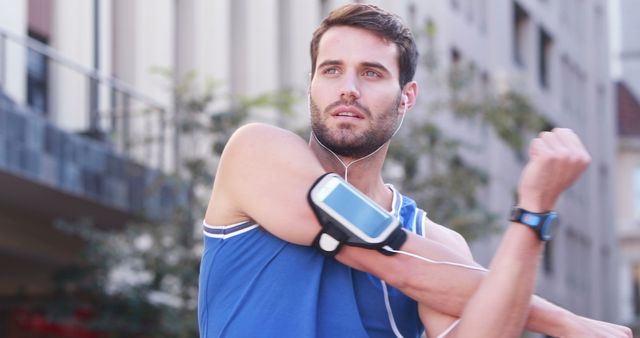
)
(346, 142)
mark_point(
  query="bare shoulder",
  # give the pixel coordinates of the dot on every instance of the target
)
(259, 139)
(264, 152)
(263, 175)
(448, 237)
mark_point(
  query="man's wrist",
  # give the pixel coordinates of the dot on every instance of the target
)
(536, 206)
(543, 224)
(548, 318)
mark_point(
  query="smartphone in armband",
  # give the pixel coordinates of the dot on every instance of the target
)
(350, 217)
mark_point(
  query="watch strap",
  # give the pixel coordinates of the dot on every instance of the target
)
(536, 221)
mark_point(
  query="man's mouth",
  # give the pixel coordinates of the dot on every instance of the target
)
(347, 113)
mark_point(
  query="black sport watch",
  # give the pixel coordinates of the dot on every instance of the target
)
(543, 223)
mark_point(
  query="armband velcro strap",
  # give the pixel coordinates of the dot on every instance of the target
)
(395, 241)
(329, 241)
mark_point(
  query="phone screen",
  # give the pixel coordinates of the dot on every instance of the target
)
(360, 212)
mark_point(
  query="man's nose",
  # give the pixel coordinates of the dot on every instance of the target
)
(349, 91)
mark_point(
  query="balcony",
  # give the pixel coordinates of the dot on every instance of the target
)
(47, 170)
(97, 173)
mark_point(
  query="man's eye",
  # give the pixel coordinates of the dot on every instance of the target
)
(330, 71)
(371, 73)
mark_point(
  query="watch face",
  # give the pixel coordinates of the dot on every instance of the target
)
(544, 224)
(549, 227)
(530, 219)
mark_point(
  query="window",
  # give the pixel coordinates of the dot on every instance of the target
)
(580, 20)
(324, 8)
(607, 269)
(563, 12)
(577, 275)
(567, 84)
(600, 29)
(454, 4)
(411, 9)
(636, 193)
(482, 15)
(636, 289)
(602, 109)
(37, 75)
(456, 76)
(455, 57)
(238, 49)
(520, 24)
(547, 258)
(470, 4)
(284, 45)
(544, 58)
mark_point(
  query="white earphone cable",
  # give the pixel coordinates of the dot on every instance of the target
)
(385, 292)
(470, 267)
(449, 329)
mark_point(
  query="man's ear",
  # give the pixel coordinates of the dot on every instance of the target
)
(409, 94)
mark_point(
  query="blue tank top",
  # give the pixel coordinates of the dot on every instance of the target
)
(253, 284)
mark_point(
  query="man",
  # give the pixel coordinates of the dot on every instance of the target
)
(260, 277)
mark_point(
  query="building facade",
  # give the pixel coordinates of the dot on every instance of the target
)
(626, 51)
(554, 52)
(628, 206)
(626, 60)
(66, 155)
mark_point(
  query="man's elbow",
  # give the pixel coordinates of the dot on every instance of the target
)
(398, 278)
(388, 268)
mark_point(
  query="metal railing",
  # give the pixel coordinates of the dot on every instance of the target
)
(135, 125)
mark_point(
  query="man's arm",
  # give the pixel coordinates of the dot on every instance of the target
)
(556, 160)
(500, 305)
(264, 175)
(560, 151)
(544, 316)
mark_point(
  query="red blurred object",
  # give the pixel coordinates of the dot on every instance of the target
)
(37, 325)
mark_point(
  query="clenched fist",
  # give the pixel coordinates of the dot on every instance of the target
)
(556, 160)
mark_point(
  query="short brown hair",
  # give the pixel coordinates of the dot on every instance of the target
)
(378, 21)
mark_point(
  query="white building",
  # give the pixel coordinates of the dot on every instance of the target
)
(626, 49)
(554, 51)
(628, 208)
(626, 63)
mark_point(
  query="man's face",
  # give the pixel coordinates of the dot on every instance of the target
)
(354, 94)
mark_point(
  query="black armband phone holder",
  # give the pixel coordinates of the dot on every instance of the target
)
(348, 217)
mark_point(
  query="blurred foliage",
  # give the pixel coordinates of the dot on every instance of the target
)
(438, 178)
(142, 281)
(138, 282)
